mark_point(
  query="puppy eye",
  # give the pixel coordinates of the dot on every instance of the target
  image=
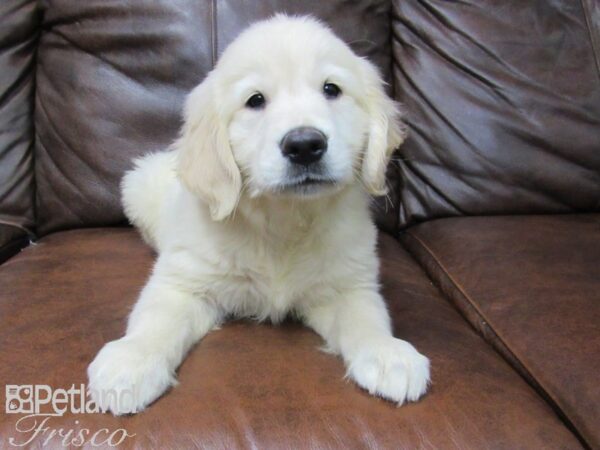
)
(331, 90)
(256, 101)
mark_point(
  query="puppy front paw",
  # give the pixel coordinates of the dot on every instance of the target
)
(391, 368)
(124, 377)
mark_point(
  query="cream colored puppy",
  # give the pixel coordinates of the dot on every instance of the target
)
(261, 210)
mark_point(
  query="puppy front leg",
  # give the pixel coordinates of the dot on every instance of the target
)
(357, 326)
(130, 373)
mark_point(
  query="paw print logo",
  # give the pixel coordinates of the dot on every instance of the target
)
(19, 399)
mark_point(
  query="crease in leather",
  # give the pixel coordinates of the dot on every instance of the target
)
(441, 115)
(447, 24)
(431, 187)
(16, 225)
(18, 179)
(57, 196)
(62, 173)
(213, 32)
(485, 327)
(97, 55)
(34, 137)
(19, 83)
(51, 127)
(542, 146)
(394, 209)
(470, 72)
(593, 41)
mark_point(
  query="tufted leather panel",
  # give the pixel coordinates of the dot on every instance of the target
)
(112, 77)
(531, 286)
(252, 385)
(503, 103)
(18, 38)
(364, 24)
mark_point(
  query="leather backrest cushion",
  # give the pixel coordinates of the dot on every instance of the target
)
(503, 103)
(112, 78)
(19, 21)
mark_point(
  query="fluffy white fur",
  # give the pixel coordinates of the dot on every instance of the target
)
(237, 235)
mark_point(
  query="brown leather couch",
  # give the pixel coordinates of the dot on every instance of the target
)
(490, 242)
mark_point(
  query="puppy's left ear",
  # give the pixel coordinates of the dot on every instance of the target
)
(386, 131)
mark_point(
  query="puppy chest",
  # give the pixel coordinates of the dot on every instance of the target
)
(266, 289)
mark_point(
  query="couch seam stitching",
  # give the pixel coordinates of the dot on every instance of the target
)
(495, 333)
(441, 266)
(213, 31)
(594, 44)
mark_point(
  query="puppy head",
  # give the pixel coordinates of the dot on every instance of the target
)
(288, 110)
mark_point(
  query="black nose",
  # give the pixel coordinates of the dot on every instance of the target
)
(304, 145)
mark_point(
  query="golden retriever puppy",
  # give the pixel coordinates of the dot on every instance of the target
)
(261, 210)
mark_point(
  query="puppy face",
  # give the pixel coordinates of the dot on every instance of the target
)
(288, 110)
(297, 127)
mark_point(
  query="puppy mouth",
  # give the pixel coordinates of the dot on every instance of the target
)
(307, 185)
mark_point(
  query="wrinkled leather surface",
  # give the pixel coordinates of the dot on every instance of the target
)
(111, 80)
(259, 386)
(531, 285)
(591, 9)
(364, 24)
(112, 77)
(503, 104)
(19, 28)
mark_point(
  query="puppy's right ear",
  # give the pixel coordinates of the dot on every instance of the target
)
(205, 161)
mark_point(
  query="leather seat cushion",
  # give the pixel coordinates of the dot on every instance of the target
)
(255, 385)
(531, 285)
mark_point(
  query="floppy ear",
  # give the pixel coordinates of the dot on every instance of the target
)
(205, 161)
(386, 131)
